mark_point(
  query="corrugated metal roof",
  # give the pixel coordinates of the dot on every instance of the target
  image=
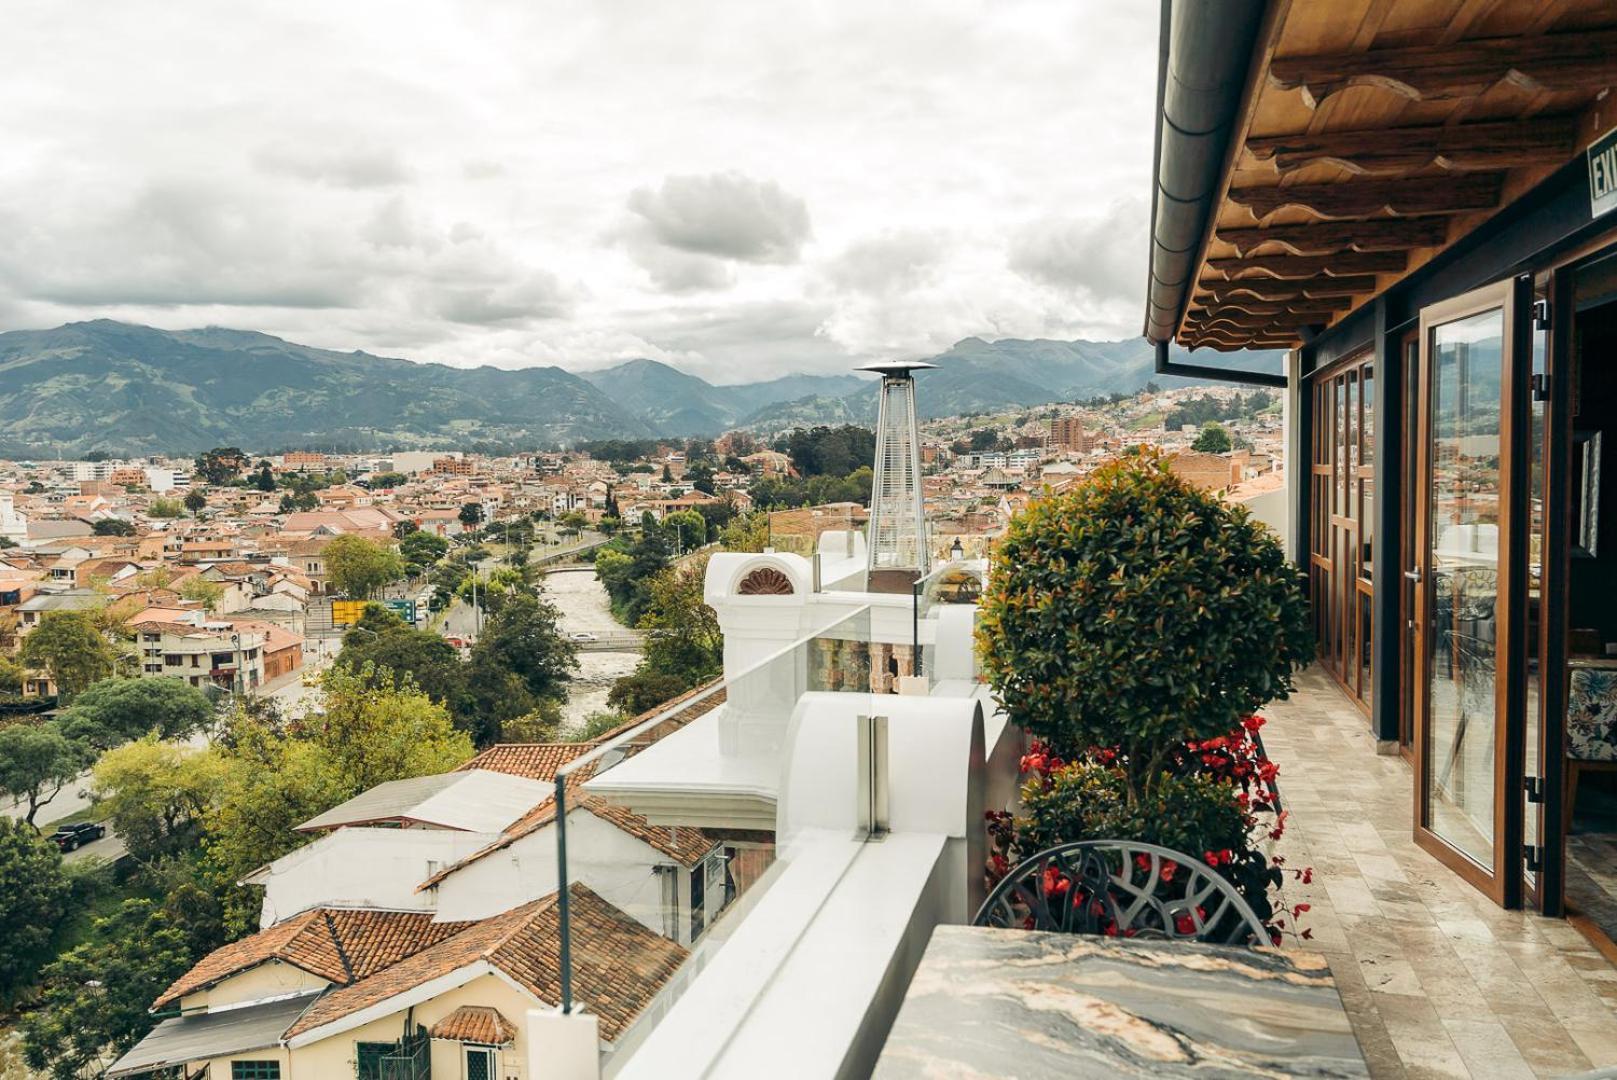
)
(209, 1035)
(476, 801)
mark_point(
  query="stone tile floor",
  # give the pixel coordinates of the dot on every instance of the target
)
(1438, 981)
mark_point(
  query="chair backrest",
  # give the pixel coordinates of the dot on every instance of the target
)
(1591, 710)
(1125, 888)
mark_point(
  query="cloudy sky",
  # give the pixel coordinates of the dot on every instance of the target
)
(741, 189)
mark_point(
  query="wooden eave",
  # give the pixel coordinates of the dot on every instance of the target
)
(1373, 136)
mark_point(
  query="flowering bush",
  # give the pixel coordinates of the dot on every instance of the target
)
(1215, 800)
(1134, 625)
(1137, 612)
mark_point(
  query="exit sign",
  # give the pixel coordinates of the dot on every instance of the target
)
(1603, 174)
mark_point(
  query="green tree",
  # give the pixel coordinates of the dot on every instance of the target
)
(471, 515)
(201, 590)
(36, 762)
(161, 507)
(691, 528)
(524, 637)
(220, 465)
(67, 646)
(112, 526)
(264, 478)
(33, 889)
(422, 549)
(11, 676)
(386, 646)
(114, 711)
(195, 502)
(97, 994)
(745, 532)
(1212, 439)
(642, 690)
(359, 567)
(155, 794)
(683, 639)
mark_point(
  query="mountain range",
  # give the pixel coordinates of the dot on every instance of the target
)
(135, 390)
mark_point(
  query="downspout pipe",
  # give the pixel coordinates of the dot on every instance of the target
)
(1204, 52)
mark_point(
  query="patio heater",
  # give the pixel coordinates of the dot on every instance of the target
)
(897, 539)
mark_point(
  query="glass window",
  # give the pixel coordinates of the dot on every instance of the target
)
(1464, 508)
(255, 1070)
(368, 1059)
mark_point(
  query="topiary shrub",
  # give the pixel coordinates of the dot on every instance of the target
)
(1138, 612)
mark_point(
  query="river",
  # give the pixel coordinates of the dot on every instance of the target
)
(582, 601)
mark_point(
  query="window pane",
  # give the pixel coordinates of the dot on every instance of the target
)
(1467, 365)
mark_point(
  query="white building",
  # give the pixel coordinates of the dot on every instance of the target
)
(203, 654)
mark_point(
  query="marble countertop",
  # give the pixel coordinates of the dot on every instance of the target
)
(1026, 1004)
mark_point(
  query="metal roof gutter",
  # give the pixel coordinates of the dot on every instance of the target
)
(1203, 59)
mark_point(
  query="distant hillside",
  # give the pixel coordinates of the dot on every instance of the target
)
(674, 403)
(131, 390)
(976, 376)
(125, 389)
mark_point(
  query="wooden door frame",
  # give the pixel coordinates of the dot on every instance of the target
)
(1341, 598)
(1502, 882)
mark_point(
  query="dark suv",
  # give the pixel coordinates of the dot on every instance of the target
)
(68, 837)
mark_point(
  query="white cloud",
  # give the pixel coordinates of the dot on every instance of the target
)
(509, 183)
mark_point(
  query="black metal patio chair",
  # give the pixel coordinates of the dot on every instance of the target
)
(1122, 888)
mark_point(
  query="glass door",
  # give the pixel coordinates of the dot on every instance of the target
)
(1461, 633)
(1342, 540)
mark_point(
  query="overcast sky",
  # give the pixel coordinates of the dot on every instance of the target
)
(741, 189)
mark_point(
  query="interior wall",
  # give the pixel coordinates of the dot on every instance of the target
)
(1594, 581)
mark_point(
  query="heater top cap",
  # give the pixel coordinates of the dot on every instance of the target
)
(896, 368)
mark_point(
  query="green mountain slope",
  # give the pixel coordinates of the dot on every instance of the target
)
(131, 389)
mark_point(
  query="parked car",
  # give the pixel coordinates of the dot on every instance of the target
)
(68, 837)
(583, 636)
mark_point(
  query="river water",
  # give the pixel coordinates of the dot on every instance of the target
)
(582, 601)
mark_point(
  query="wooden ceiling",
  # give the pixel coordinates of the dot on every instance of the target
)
(1377, 132)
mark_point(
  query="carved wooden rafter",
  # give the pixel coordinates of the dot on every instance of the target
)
(1301, 267)
(1222, 345)
(1584, 60)
(1326, 238)
(1324, 307)
(1457, 147)
(1367, 198)
(765, 581)
(1223, 292)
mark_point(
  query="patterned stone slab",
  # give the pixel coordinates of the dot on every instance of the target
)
(1021, 1004)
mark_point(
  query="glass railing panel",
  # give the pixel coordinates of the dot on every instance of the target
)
(666, 830)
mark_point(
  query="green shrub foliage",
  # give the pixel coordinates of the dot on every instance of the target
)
(1137, 611)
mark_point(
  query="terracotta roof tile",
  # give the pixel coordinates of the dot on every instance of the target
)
(475, 1024)
(536, 761)
(618, 964)
(335, 944)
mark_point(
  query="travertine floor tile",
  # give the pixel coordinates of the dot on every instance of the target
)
(1437, 980)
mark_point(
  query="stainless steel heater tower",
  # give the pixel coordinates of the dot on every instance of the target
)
(898, 549)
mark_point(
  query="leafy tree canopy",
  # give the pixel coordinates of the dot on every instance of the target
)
(115, 711)
(220, 465)
(359, 567)
(97, 994)
(112, 526)
(68, 646)
(33, 889)
(1212, 439)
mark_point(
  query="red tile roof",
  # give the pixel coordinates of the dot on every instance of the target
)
(618, 964)
(475, 1024)
(339, 945)
(536, 761)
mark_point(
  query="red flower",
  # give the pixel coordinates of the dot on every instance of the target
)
(1252, 723)
(1184, 924)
